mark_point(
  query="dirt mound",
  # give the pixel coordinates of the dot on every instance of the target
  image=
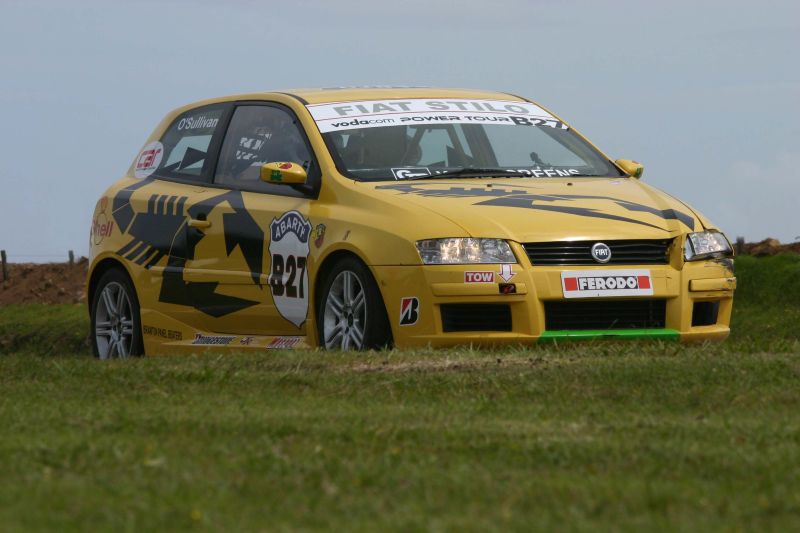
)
(47, 283)
(769, 247)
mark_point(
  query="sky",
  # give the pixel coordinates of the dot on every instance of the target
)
(705, 94)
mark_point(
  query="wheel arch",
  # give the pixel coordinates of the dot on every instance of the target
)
(326, 265)
(100, 267)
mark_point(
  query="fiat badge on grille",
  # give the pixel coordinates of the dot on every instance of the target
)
(601, 252)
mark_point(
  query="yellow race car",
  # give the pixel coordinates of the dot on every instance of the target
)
(363, 218)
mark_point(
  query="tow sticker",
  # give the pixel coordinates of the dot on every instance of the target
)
(506, 273)
(480, 276)
(288, 277)
(597, 283)
(149, 159)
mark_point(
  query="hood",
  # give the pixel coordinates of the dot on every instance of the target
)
(536, 209)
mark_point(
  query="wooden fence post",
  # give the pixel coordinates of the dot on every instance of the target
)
(71, 258)
(739, 245)
(5, 265)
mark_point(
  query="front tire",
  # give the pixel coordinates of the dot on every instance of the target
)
(116, 326)
(351, 314)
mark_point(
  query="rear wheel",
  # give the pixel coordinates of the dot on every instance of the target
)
(352, 315)
(116, 330)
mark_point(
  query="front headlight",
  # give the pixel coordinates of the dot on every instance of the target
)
(464, 250)
(705, 244)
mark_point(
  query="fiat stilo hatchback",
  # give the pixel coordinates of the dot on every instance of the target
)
(363, 218)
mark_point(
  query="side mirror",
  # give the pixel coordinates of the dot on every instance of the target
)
(630, 166)
(283, 173)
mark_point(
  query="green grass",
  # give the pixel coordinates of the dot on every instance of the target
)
(44, 329)
(642, 436)
(766, 305)
(655, 436)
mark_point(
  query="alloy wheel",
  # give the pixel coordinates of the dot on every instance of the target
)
(113, 327)
(345, 316)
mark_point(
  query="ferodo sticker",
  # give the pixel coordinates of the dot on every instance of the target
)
(288, 278)
(149, 159)
(597, 283)
(382, 113)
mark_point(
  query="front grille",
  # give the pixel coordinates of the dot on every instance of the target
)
(639, 252)
(604, 314)
(476, 317)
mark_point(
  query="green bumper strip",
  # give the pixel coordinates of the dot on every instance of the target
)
(611, 334)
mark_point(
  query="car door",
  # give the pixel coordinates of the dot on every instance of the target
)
(153, 213)
(255, 246)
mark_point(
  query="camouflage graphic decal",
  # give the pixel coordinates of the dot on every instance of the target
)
(162, 231)
(523, 199)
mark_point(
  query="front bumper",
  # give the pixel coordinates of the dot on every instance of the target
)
(680, 286)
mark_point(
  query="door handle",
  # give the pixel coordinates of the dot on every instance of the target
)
(199, 224)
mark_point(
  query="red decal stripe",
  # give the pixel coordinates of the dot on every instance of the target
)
(644, 282)
(571, 284)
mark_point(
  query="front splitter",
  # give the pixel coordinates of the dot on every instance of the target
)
(610, 334)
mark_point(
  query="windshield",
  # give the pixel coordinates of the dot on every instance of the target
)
(380, 140)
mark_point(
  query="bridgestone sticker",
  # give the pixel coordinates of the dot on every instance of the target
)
(599, 283)
(212, 340)
(149, 159)
(382, 113)
(288, 278)
(409, 311)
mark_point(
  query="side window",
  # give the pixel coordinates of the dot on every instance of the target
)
(186, 142)
(258, 135)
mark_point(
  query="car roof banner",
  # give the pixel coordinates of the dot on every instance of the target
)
(340, 116)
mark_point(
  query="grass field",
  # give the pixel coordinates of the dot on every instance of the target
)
(589, 436)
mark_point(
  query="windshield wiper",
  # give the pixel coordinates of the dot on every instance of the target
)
(471, 172)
